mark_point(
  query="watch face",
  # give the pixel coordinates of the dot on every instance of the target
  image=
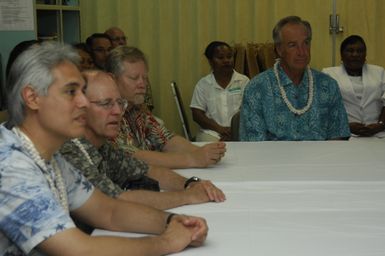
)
(195, 178)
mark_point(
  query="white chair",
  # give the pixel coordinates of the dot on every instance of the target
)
(181, 111)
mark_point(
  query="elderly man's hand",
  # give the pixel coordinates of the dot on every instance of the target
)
(208, 154)
(205, 191)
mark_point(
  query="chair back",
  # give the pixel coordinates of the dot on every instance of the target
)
(235, 126)
(181, 111)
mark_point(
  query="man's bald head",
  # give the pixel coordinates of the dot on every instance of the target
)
(117, 36)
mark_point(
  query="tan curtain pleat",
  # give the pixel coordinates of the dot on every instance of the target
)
(239, 58)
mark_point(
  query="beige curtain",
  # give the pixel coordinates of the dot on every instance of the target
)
(174, 34)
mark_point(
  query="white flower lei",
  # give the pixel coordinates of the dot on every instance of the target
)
(55, 180)
(284, 96)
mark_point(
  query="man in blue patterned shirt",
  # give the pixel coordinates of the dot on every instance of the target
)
(39, 189)
(292, 101)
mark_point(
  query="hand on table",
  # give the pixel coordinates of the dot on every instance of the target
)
(208, 154)
(205, 191)
(183, 231)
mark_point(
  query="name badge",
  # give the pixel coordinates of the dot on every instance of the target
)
(235, 90)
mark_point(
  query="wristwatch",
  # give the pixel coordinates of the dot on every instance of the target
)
(382, 124)
(192, 179)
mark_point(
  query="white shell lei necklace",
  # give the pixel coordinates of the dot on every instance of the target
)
(284, 96)
(54, 179)
(84, 151)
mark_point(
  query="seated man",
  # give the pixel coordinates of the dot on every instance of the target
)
(100, 45)
(39, 189)
(140, 133)
(111, 170)
(117, 36)
(292, 101)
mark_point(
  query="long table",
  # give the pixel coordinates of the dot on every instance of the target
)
(295, 198)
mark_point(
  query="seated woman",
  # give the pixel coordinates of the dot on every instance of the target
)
(362, 87)
(217, 96)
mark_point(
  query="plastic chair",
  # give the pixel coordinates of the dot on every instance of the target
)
(181, 111)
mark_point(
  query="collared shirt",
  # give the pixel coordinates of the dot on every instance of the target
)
(29, 211)
(265, 116)
(140, 131)
(110, 168)
(219, 104)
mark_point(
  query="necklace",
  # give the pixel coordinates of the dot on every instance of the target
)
(84, 151)
(52, 174)
(284, 96)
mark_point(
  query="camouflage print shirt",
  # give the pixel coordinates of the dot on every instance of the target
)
(110, 168)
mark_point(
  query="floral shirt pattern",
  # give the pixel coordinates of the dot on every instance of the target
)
(265, 116)
(140, 131)
(29, 211)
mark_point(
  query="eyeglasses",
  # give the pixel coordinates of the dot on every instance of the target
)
(108, 104)
(123, 38)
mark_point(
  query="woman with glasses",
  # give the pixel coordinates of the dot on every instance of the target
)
(362, 87)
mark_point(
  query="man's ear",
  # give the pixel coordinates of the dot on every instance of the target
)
(30, 97)
(112, 75)
(278, 50)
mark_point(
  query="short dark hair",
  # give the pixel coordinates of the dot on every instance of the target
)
(91, 38)
(209, 52)
(17, 50)
(289, 20)
(351, 40)
(83, 47)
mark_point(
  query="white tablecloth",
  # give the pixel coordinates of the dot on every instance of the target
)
(295, 198)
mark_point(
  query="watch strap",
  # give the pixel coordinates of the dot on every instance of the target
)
(190, 180)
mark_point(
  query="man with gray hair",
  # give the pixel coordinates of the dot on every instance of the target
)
(118, 38)
(291, 101)
(140, 133)
(118, 174)
(39, 189)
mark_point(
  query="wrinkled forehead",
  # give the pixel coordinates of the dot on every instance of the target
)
(136, 66)
(294, 31)
(101, 86)
(65, 72)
